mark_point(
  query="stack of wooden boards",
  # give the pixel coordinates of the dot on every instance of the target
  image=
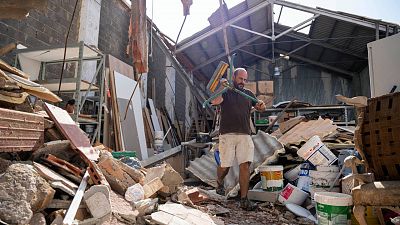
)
(132, 125)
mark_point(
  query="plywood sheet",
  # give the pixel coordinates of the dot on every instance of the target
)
(132, 126)
(305, 130)
(71, 131)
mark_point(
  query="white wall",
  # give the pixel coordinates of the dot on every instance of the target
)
(384, 65)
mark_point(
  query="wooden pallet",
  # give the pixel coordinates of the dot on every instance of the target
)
(380, 136)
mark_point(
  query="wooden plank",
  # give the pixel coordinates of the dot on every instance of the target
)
(71, 131)
(4, 66)
(138, 36)
(76, 202)
(162, 156)
(51, 175)
(20, 131)
(115, 115)
(63, 204)
(154, 116)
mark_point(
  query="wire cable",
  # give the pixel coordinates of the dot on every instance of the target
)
(65, 47)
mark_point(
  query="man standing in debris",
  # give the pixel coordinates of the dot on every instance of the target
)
(234, 138)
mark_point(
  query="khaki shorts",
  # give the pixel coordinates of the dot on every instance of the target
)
(235, 146)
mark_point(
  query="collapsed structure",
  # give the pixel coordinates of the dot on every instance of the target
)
(139, 147)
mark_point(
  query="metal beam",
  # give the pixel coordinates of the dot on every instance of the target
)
(325, 45)
(250, 31)
(241, 45)
(253, 54)
(294, 50)
(348, 75)
(298, 25)
(331, 14)
(229, 22)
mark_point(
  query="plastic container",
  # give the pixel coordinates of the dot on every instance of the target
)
(293, 174)
(271, 178)
(316, 152)
(333, 208)
(292, 194)
(304, 178)
(158, 141)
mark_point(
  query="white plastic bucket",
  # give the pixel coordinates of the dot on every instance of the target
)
(316, 152)
(292, 174)
(333, 208)
(271, 178)
(314, 189)
(292, 194)
(323, 179)
(158, 141)
(304, 178)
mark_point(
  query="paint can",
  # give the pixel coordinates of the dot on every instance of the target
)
(158, 141)
(292, 194)
(304, 178)
(272, 177)
(333, 208)
(293, 174)
(316, 152)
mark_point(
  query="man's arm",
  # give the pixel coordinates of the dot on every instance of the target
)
(218, 100)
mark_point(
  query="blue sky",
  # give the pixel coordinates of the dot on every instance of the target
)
(168, 15)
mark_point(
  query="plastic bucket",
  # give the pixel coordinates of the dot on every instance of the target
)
(304, 178)
(271, 178)
(316, 152)
(293, 174)
(292, 194)
(158, 141)
(333, 208)
(315, 189)
(323, 178)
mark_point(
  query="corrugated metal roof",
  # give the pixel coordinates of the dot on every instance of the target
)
(266, 151)
(334, 42)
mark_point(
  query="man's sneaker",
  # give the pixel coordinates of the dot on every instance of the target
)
(221, 190)
(247, 205)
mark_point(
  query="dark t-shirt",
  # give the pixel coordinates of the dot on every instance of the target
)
(235, 112)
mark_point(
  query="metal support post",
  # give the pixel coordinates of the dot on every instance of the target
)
(78, 81)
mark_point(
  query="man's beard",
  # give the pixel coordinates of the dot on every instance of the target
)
(238, 85)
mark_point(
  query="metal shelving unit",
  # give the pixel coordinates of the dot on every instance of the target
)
(34, 61)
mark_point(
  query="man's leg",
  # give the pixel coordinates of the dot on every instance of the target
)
(221, 174)
(244, 177)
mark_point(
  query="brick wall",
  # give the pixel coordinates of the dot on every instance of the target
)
(37, 30)
(114, 25)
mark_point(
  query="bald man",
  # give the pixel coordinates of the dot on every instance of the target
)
(234, 139)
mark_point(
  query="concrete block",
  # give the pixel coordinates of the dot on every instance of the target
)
(152, 187)
(97, 188)
(118, 179)
(98, 205)
(261, 195)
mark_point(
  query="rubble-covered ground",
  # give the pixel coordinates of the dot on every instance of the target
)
(267, 213)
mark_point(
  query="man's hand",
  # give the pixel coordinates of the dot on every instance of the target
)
(260, 106)
(223, 82)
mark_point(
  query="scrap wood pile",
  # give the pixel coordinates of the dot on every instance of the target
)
(50, 174)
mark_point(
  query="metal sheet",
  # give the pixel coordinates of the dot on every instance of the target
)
(266, 151)
(20, 131)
